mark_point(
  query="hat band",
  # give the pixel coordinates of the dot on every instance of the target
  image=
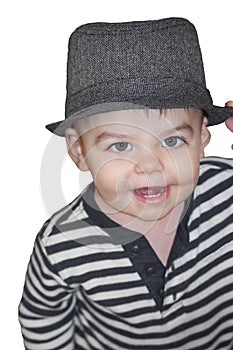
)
(151, 93)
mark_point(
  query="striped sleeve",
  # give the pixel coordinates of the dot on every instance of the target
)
(47, 307)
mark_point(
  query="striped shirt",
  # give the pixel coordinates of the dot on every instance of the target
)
(93, 285)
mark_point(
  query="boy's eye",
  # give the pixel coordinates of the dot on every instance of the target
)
(121, 147)
(172, 142)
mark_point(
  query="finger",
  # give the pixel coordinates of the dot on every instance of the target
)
(229, 123)
(229, 104)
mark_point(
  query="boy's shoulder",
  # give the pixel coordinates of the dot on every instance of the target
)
(215, 169)
(212, 202)
(76, 226)
(214, 190)
(67, 224)
(217, 163)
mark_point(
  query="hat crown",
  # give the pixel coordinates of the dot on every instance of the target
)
(103, 52)
(131, 65)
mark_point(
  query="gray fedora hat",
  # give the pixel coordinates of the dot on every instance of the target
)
(145, 64)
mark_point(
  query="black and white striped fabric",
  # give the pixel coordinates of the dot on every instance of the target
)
(92, 285)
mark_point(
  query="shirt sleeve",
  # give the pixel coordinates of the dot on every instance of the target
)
(47, 307)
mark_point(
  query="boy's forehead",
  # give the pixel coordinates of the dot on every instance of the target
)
(146, 119)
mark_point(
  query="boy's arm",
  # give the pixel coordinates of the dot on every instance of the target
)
(47, 308)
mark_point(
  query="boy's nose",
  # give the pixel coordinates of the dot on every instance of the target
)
(149, 163)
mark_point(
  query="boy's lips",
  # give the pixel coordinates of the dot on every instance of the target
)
(152, 194)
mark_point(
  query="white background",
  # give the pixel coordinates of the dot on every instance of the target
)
(34, 36)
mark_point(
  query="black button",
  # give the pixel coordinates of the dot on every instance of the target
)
(161, 292)
(173, 267)
(151, 270)
(135, 249)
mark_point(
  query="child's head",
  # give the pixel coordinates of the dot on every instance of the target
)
(119, 78)
(143, 162)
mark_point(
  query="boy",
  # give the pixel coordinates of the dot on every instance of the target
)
(143, 258)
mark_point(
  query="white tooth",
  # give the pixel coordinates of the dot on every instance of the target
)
(153, 195)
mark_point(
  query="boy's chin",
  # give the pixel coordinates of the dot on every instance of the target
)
(155, 215)
(147, 215)
(166, 216)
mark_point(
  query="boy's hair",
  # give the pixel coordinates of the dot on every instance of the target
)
(163, 112)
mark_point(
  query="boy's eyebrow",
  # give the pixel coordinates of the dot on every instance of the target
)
(182, 127)
(107, 134)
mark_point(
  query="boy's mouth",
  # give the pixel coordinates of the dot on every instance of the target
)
(152, 194)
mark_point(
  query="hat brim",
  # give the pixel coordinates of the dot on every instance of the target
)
(214, 114)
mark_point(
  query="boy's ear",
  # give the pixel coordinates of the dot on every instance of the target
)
(75, 149)
(205, 136)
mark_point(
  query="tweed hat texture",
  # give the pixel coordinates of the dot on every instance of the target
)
(146, 64)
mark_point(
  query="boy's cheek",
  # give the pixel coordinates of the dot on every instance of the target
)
(185, 167)
(108, 174)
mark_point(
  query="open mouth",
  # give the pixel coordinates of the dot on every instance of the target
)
(152, 194)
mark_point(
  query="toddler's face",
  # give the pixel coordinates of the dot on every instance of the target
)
(143, 163)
